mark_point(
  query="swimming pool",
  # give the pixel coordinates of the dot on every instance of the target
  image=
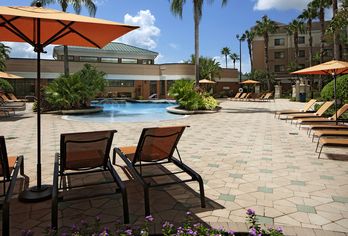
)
(129, 112)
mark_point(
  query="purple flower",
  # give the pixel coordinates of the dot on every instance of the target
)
(250, 212)
(27, 233)
(280, 229)
(167, 225)
(97, 218)
(149, 218)
(252, 232)
(74, 228)
(128, 232)
(188, 213)
(230, 232)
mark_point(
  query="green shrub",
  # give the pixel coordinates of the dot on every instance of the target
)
(75, 91)
(183, 91)
(327, 92)
(5, 86)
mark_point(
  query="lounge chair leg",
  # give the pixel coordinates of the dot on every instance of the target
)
(320, 151)
(114, 156)
(316, 149)
(125, 206)
(201, 191)
(147, 201)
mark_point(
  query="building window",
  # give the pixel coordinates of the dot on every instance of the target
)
(279, 42)
(279, 68)
(279, 55)
(109, 59)
(121, 83)
(301, 53)
(147, 62)
(301, 39)
(88, 59)
(129, 61)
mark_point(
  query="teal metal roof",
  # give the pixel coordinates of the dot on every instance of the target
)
(113, 47)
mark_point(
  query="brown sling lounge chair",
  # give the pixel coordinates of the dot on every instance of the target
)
(306, 108)
(318, 113)
(308, 121)
(84, 153)
(333, 142)
(236, 96)
(326, 127)
(9, 168)
(156, 146)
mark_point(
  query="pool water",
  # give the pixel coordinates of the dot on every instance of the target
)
(129, 112)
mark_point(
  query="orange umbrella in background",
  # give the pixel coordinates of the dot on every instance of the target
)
(250, 81)
(40, 27)
(333, 68)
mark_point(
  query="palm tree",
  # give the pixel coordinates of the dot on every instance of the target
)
(225, 51)
(77, 5)
(4, 55)
(264, 28)
(321, 5)
(309, 14)
(177, 9)
(336, 36)
(294, 28)
(234, 57)
(249, 37)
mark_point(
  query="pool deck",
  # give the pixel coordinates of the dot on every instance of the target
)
(247, 158)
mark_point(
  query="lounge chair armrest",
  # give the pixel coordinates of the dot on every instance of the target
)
(54, 210)
(6, 204)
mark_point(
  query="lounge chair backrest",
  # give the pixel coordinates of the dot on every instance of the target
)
(324, 108)
(309, 104)
(243, 95)
(12, 96)
(4, 98)
(237, 95)
(248, 95)
(268, 95)
(340, 111)
(157, 143)
(4, 167)
(85, 150)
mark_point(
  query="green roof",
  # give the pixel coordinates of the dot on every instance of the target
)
(113, 47)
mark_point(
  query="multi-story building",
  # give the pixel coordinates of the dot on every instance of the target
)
(282, 50)
(130, 71)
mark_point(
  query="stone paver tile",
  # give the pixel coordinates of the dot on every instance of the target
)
(306, 209)
(340, 199)
(301, 217)
(227, 197)
(297, 182)
(343, 223)
(264, 220)
(286, 220)
(335, 227)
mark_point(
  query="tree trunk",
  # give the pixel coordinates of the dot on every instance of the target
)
(196, 22)
(310, 41)
(267, 62)
(250, 55)
(66, 61)
(296, 48)
(336, 36)
(226, 60)
(322, 29)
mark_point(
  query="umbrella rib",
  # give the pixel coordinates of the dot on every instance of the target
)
(81, 35)
(15, 30)
(57, 35)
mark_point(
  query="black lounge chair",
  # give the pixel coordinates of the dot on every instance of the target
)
(84, 153)
(9, 168)
(156, 146)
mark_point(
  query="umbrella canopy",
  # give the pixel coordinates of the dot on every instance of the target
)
(206, 81)
(40, 27)
(249, 81)
(5, 75)
(332, 68)
(326, 68)
(18, 24)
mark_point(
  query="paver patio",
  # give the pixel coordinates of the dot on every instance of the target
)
(247, 159)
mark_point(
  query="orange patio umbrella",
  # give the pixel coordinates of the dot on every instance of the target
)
(333, 68)
(40, 27)
(206, 81)
(250, 81)
(6, 75)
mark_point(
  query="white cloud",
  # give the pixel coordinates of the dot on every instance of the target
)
(262, 5)
(173, 45)
(146, 36)
(100, 2)
(25, 50)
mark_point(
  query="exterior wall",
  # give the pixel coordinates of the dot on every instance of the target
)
(289, 50)
(147, 79)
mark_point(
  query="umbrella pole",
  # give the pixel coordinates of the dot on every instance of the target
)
(39, 192)
(334, 77)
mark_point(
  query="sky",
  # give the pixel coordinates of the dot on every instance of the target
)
(173, 37)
